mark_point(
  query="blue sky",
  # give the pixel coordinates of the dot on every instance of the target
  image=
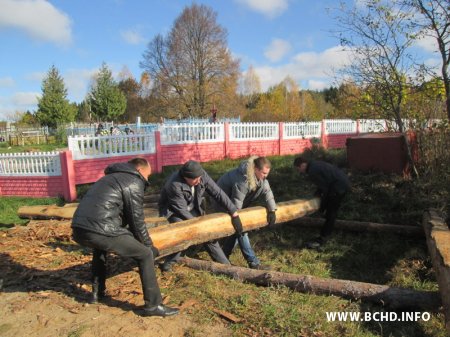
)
(277, 37)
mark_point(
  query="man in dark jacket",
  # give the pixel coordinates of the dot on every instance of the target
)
(332, 186)
(110, 218)
(181, 199)
(244, 185)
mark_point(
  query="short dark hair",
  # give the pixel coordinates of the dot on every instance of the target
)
(262, 162)
(139, 162)
(299, 161)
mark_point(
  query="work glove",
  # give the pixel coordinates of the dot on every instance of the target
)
(271, 218)
(237, 224)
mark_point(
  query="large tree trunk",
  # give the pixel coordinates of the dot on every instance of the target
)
(178, 236)
(393, 298)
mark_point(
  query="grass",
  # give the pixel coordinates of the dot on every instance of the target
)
(6, 148)
(10, 205)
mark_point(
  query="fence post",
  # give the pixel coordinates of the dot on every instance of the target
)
(158, 151)
(68, 176)
(324, 137)
(280, 137)
(358, 125)
(226, 127)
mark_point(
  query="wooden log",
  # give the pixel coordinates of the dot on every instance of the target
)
(438, 242)
(390, 297)
(178, 236)
(67, 211)
(361, 226)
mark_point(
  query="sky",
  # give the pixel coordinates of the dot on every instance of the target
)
(278, 38)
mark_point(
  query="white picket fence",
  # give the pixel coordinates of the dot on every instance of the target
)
(302, 130)
(340, 126)
(192, 133)
(372, 125)
(30, 164)
(85, 147)
(253, 131)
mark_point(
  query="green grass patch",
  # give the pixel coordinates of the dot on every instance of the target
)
(6, 148)
(10, 205)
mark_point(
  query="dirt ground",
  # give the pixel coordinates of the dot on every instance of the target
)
(44, 282)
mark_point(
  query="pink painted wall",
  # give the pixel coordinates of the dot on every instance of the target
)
(48, 186)
(202, 152)
(90, 170)
(338, 141)
(238, 149)
(294, 146)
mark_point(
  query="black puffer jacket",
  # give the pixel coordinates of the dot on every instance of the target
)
(114, 205)
(176, 197)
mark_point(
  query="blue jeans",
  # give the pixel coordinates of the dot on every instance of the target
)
(246, 248)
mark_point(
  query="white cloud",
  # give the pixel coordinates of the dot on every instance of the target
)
(428, 43)
(37, 18)
(277, 49)
(78, 81)
(308, 66)
(24, 99)
(132, 36)
(270, 8)
(6, 82)
(317, 85)
(37, 76)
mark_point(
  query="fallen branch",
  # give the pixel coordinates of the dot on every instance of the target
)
(391, 297)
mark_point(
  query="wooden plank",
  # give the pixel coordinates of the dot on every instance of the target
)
(438, 241)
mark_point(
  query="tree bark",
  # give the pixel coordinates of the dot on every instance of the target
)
(390, 297)
(178, 236)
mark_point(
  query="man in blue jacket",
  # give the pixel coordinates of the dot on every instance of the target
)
(332, 186)
(181, 199)
(110, 218)
(244, 185)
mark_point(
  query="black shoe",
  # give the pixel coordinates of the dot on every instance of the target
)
(98, 293)
(158, 310)
(259, 266)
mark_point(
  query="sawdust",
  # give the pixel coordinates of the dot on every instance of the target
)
(44, 280)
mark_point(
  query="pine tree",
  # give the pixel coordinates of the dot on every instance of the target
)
(105, 98)
(54, 107)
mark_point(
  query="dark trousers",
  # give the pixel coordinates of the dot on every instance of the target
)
(213, 247)
(126, 246)
(331, 206)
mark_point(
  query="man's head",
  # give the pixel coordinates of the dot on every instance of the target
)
(142, 166)
(301, 164)
(192, 172)
(262, 167)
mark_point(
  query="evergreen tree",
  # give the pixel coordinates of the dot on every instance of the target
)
(105, 98)
(54, 107)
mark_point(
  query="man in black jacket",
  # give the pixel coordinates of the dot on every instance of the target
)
(110, 218)
(181, 199)
(332, 186)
